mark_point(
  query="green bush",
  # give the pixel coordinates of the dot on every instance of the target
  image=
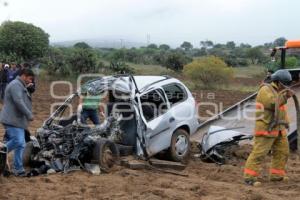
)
(24, 40)
(121, 68)
(55, 63)
(11, 57)
(291, 62)
(209, 71)
(83, 61)
(82, 45)
(176, 61)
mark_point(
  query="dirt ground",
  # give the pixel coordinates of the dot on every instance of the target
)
(204, 181)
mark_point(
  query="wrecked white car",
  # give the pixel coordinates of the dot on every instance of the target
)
(146, 115)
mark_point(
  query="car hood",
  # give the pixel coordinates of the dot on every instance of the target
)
(217, 135)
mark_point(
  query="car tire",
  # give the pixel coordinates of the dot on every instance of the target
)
(180, 146)
(106, 154)
(27, 154)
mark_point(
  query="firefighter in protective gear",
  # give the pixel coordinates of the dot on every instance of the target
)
(270, 129)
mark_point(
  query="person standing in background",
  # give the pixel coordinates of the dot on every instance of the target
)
(12, 72)
(91, 107)
(3, 79)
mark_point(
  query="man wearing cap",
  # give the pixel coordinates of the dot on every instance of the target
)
(12, 72)
(270, 129)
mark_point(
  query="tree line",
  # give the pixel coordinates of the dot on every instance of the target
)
(23, 42)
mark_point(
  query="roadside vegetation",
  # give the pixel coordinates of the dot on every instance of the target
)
(210, 66)
(208, 72)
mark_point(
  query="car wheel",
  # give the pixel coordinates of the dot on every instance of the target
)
(180, 146)
(106, 154)
(27, 154)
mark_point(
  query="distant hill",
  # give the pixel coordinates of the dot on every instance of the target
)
(101, 43)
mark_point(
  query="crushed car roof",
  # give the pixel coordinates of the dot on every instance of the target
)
(143, 81)
(120, 83)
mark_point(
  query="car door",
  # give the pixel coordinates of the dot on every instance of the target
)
(181, 108)
(154, 110)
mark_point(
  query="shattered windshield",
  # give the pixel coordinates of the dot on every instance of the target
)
(98, 86)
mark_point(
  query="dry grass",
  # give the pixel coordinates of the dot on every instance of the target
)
(253, 71)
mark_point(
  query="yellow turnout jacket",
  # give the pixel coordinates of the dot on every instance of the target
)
(271, 111)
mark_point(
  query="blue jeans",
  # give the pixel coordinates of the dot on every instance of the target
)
(90, 114)
(15, 140)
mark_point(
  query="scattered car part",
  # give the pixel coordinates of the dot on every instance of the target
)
(242, 114)
(92, 168)
(216, 141)
(155, 165)
(167, 164)
(149, 166)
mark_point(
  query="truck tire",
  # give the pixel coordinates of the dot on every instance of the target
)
(180, 146)
(105, 153)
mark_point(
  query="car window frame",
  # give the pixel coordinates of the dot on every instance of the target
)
(181, 87)
(162, 95)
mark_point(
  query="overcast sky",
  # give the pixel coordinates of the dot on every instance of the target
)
(166, 21)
